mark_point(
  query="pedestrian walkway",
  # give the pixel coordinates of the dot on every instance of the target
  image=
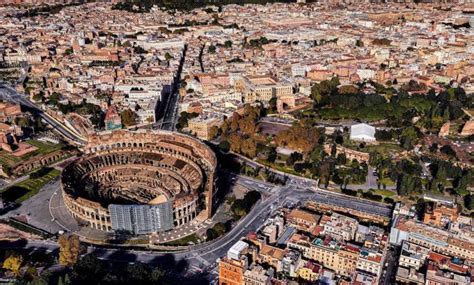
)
(180, 232)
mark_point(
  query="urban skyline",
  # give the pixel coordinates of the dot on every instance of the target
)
(236, 142)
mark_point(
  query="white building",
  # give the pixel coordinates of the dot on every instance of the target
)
(236, 250)
(362, 132)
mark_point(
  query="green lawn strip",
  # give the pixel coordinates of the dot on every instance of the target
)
(384, 148)
(8, 159)
(387, 181)
(31, 186)
(386, 193)
(183, 241)
(42, 148)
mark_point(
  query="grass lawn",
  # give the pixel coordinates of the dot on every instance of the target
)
(42, 148)
(383, 148)
(28, 188)
(386, 193)
(183, 241)
(387, 181)
(283, 168)
(8, 159)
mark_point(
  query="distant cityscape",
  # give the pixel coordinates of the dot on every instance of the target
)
(247, 142)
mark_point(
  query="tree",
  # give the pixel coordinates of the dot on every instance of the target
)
(88, 270)
(13, 263)
(462, 182)
(69, 249)
(273, 104)
(64, 280)
(212, 49)
(409, 137)
(248, 125)
(448, 150)
(235, 142)
(157, 275)
(383, 135)
(299, 167)
(213, 132)
(183, 119)
(249, 147)
(22, 121)
(220, 228)
(128, 117)
(341, 159)
(168, 56)
(433, 148)
(294, 157)
(324, 89)
(339, 139)
(388, 200)
(54, 98)
(224, 127)
(38, 97)
(234, 123)
(242, 207)
(224, 146)
(138, 272)
(7, 170)
(211, 234)
(302, 137)
(408, 184)
(272, 155)
(228, 44)
(469, 202)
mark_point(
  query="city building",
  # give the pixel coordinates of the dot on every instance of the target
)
(233, 266)
(112, 119)
(362, 132)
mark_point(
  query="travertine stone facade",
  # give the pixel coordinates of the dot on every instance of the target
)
(138, 168)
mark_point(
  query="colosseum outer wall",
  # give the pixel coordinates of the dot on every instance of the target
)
(184, 149)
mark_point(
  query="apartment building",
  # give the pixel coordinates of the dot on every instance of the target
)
(257, 275)
(412, 255)
(262, 88)
(303, 220)
(438, 240)
(233, 266)
(201, 126)
(333, 255)
(339, 226)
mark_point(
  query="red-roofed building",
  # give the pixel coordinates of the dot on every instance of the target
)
(112, 119)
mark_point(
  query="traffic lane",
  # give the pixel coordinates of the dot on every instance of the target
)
(343, 201)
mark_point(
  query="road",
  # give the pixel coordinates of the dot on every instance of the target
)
(10, 94)
(170, 115)
(36, 209)
(388, 275)
(205, 255)
(371, 182)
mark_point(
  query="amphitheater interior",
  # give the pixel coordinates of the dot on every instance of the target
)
(142, 181)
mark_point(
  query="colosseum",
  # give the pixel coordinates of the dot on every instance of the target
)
(142, 181)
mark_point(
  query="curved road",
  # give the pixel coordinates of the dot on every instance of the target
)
(10, 94)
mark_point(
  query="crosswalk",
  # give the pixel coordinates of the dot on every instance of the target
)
(202, 260)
